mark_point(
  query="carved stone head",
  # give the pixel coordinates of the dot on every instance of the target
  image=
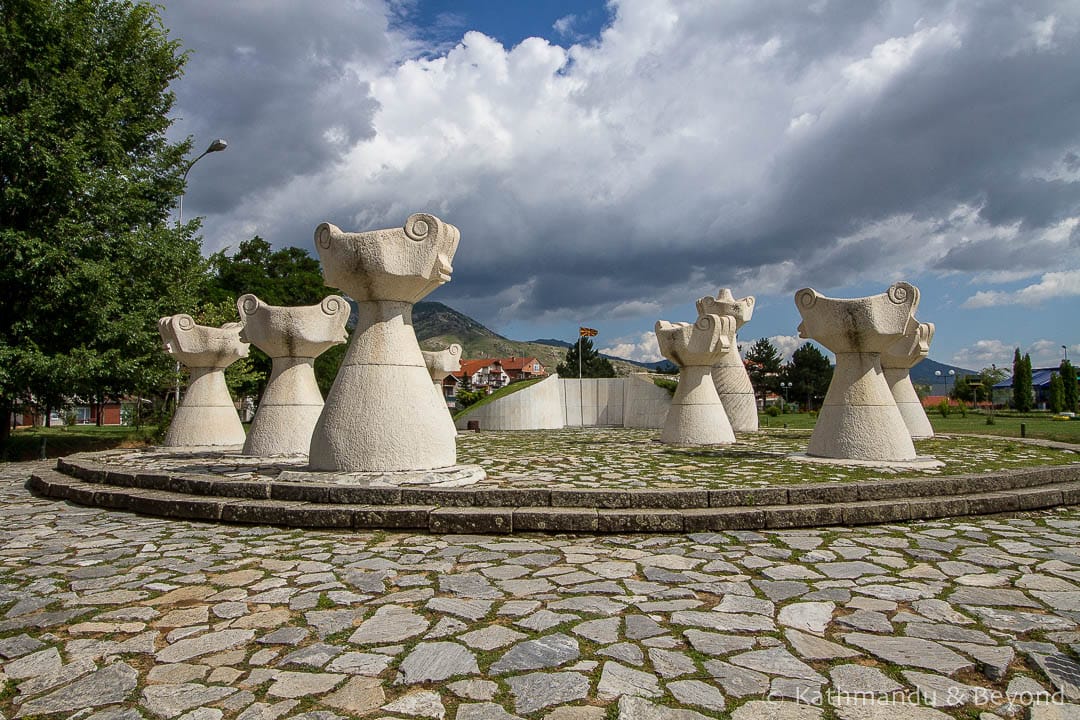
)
(867, 324)
(725, 304)
(304, 331)
(200, 346)
(399, 264)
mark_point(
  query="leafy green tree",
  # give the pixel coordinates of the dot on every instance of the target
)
(809, 373)
(763, 362)
(1056, 393)
(87, 179)
(289, 276)
(593, 364)
(1069, 385)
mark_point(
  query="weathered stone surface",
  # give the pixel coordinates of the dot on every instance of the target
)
(535, 691)
(483, 711)
(435, 661)
(492, 637)
(1063, 671)
(776, 710)
(418, 704)
(809, 647)
(737, 681)
(168, 701)
(695, 692)
(857, 710)
(939, 691)
(203, 645)
(812, 617)
(617, 680)
(111, 684)
(776, 661)
(389, 624)
(545, 652)
(289, 684)
(637, 708)
(910, 651)
(726, 622)
(358, 696)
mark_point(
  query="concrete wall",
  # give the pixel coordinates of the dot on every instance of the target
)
(556, 402)
(644, 404)
(538, 407)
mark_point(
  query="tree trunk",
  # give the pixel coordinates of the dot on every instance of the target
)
(5, 429)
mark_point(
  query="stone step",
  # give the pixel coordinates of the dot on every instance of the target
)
(200, 498)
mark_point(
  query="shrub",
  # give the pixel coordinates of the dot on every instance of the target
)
(772, 411)
(943, 408)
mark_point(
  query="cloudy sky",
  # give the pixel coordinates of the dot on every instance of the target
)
(609, 163)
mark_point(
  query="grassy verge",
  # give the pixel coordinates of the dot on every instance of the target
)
(501, 392)
(28, 443)
(1006, 424)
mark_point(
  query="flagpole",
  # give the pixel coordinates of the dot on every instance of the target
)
(581, 382)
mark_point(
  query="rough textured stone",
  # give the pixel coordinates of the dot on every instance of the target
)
(168, 701)
(435, 661)
(617, 680)
(203, 645)
(910, 651)
(546, 652)
(110, 684)
(418, 704)
(637, 708)
(535, 691)
(389, 624)
(695, 692)
(776, 710)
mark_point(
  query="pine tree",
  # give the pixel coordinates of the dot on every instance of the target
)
(1056, 393)
(1069, 384)
(763, 366)
(593, 364)
(1023, 399)
(809, 373)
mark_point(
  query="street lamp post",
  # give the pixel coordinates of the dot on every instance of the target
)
(1066, 349)
(217, 146)
(785, 387)
(951, 373)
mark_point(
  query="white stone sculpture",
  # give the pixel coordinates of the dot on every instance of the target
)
(729, 375)
(697, 416)
(293, 337)
(206, 415)
(859, 419)
(440, 364)
(381, 414)
(896, 362)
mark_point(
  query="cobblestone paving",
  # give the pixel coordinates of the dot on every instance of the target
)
(632, 458)
(113, 616)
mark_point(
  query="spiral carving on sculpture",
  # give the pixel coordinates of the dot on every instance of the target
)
(248, 304)
(806, 298)
(454, 349)
(184, 322)
(333, 304)
(324, 235)
(707, 322)
(421, 226)
(902, 292)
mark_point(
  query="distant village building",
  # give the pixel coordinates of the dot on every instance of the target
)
(490, 374)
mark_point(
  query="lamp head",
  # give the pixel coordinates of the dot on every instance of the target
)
(217, 145)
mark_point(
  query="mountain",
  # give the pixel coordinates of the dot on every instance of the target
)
(437, 326)
(923, 373)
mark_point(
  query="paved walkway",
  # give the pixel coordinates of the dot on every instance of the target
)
(113, 616)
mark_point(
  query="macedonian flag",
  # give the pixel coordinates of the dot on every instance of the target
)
(587, 332)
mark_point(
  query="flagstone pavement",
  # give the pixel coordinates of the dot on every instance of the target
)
(112, 616)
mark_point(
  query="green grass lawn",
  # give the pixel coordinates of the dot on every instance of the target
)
(1006, 424)
(29, 443)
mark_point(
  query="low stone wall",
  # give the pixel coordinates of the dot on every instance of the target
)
(554, 403)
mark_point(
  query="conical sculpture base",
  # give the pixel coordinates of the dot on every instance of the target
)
(206, 415)
(897, 361)
(729, 375)
(293, 337)
(696, 415)
(381, 414)
(859, 419)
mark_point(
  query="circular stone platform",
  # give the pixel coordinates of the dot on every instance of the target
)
(922, 462)
(220, 486)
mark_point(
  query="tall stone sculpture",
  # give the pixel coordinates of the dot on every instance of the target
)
(440, 364)
(293, 337)
(381, 414)
(206, 415)
(896, 362)
(729, 375)
(859, 419)
(697, 416)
